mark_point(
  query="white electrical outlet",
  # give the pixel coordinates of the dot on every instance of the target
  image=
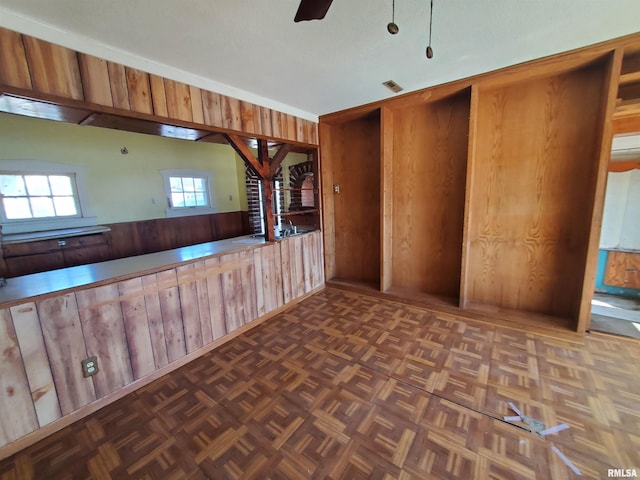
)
(90, 366)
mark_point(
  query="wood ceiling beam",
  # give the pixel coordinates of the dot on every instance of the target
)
(247, 155)
(277, 159)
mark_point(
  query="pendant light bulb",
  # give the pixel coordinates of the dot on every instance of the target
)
(392, 28)
(429, 52)
(429, 49)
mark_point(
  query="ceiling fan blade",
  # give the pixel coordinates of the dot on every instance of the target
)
(312, 10)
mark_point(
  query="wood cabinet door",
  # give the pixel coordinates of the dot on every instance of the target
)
(623, 270)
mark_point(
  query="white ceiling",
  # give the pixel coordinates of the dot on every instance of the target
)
(252, 49)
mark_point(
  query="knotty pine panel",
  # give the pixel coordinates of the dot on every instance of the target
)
(178, 100)
(196, 104)
(54, 69)
(95, 80)
(230, 110)
(429, 171)
(212, 108)
(355, 158)
(139, 90)
(136, 327)
(158, 96)
(14, 70)
(63, 338)
(36, 363)
(18, 415)
(265, 121)
(248, 118)
(104, 335)
(532, 182)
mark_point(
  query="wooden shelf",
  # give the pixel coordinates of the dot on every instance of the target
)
(301, 212)
(629, 78)
(315, 190)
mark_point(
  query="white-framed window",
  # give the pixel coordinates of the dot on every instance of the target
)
(38, 195)
(188, 192)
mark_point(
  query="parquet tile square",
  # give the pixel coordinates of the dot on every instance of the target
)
(346, 386)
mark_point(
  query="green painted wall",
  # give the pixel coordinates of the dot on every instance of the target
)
(124, 187)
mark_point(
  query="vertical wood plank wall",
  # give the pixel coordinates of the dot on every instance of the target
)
(43, 70)
(356, 169)
(492, 185)
(138, 326)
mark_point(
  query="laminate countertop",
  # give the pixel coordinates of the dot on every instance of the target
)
(28, 286)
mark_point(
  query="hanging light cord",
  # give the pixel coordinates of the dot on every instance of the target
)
(393, 11)
(430, 20)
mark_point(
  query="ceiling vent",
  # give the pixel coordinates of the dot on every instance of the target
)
(393, 86)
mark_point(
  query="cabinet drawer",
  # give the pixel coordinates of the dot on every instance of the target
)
(30, 248)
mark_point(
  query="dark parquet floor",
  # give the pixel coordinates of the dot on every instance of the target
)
(347, 386)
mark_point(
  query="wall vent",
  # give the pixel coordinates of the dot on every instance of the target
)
(393, 86)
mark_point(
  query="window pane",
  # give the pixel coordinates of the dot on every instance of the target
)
(190, 199)
(60, 185)
(12, 185)
(176, 184)
(16, 208)
(37, 185)
(187, 184)
(199, 184)
(65, 206)
(201, 200)
(42, 206)
(177, 200)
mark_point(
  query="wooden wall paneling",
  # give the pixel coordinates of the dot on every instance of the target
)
(317, 260)
(232, 291)
(430, 159)
(230, 109)
(119, 88)
(169, 298)
(178, 100)
(622, 270)
(154, 316)
(204, 309)
(190, 308)
(36, 363)
(249, 286)
(356, 169)
(326, 158)
(604, 136)
(197, 112)
(292, 128)
(300, 129)
(63, 338)
(262, 279)
(104, 336)
(14, 69)
(247, 117)
(307, 262)
(212, 108)
(158, 96)
(386, 197)
(296, 263)
(286, 262)
(139, 90)
(18, 414)
(533, 178)
(136, 327)
(265, 122)
(276, 123)
(95, 80)
(216, 299)
(277, 267)
(54, 69)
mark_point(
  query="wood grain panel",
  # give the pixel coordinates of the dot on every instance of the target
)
(326, 161)
(54, 69)
(95, 80)
(622, 270)
(139, 90)
(291, 131)
(248, 117)
(276, 124)
(230, 110)
(216, 300)
(232, 291)
(14, 70)
(265, 122)
(136, 327)
(247, 273)
(197, 113)
(36, 363)
(18, 415)
(63, 338)
(212, 108)
(119, 89)
(154, 316)
(178, 100)
(104, 336)
(158, 96)
(189, 305)
(169, 298)
(430, 158)
(355, 153)
(532, 179)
